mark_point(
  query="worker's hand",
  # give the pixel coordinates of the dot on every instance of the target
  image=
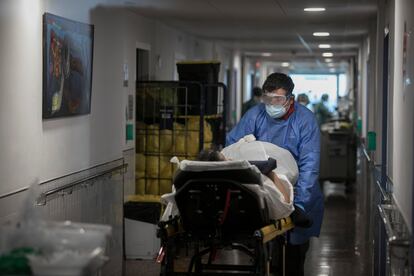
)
(300, 218)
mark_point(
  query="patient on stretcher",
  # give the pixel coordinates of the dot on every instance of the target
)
(276, 188)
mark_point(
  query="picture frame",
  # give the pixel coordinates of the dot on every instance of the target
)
(67, 67)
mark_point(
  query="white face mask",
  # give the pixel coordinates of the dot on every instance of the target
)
(276, 111)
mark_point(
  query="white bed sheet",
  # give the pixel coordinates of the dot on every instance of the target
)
(268, 193)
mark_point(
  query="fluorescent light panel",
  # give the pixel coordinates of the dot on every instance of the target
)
(285, 64)
(321, 34)
(266, 54)
(327, 54)
(315, 9)
(324, 46)
(328, 60)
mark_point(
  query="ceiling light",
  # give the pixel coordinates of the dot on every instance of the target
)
(285, 64)
(327, 54)
(328, 60)
(321, 34)
(324, 46)
(332, 70)
(266, 54)
(314, 9)
(330, 64)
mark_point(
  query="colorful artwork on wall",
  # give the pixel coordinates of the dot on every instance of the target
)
(67, 67)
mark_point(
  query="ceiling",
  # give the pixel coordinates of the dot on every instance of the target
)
(279, 28)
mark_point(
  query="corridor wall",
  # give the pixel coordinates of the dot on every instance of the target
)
(403, 112)
(35, 150)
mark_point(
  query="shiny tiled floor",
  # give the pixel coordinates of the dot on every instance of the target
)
(333, 253)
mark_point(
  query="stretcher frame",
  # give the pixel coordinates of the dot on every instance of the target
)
(257, 245)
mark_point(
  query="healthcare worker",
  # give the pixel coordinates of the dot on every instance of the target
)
(322, 112)
(287, 124)
(256, 95)
(303, 99)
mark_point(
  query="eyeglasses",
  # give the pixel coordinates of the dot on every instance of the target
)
(273, 99)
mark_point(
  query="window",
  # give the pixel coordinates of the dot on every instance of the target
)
(315, 85)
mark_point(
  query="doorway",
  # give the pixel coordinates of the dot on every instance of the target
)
(142, 72)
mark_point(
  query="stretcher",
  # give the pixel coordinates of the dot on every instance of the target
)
(218, 209)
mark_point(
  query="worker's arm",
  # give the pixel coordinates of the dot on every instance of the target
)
(307, 187)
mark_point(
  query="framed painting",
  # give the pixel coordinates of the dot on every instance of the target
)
(67, 67)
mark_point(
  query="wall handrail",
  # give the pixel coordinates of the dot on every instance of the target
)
(366, 154)
(393, 237)
(80, 171)
(385, 196)
(42, 199)
(58, 178)
(14, 192)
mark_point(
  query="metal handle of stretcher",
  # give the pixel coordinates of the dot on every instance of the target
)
(269, 232)
(266, 233)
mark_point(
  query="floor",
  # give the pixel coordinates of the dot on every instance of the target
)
(333, 253)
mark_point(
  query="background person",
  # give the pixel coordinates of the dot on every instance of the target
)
(321, 110)
(303, 99)
(254, 100)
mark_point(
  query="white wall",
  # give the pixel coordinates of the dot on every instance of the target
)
(164, 57)
(71, 144)
(372, 91)
(363, 85)
(403, 112)
(20, 88)
(34, 150)
(249, 64)
(381, 18)
(351, 75)
(225, 57)
(237, 68)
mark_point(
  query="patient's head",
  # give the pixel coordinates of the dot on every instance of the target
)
(210, 155)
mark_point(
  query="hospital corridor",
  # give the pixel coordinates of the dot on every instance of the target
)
(206, 137)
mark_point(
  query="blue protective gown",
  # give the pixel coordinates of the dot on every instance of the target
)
(300, 135)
